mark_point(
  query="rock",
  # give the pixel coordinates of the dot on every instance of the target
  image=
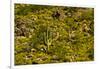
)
(33, 50)
(55, 57)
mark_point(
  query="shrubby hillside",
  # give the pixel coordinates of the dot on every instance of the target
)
(53, 34)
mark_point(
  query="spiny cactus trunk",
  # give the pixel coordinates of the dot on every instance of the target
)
(47, 39)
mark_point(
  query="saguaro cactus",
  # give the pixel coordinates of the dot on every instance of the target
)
(48, 37)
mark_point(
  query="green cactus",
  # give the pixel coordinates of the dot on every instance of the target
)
(47, 38)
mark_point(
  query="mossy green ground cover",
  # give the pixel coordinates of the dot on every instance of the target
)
(53, 34)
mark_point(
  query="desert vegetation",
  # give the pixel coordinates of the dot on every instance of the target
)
(53, 34)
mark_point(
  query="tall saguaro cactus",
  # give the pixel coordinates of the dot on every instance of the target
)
(48, 37)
